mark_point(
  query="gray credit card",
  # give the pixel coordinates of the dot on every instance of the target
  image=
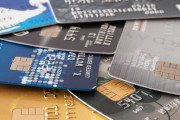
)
(99, 38)
(148, 55)
(75, 11)
(120, 101)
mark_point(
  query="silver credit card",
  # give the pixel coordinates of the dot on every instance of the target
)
(148, 55)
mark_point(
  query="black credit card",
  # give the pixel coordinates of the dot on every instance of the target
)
(74, 11)
(99, 38)
(118, 100)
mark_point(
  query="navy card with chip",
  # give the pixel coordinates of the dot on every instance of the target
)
(148, 55)
(99, 38)
(16, 15)
(29, 66)
(74, 11)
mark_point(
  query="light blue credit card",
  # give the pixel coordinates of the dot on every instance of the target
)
(17, 15)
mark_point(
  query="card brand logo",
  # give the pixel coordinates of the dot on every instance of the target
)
(139, 25)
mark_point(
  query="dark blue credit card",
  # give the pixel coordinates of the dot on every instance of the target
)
(16, 15)
(29, 66)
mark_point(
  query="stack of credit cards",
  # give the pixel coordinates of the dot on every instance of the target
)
(89, 59)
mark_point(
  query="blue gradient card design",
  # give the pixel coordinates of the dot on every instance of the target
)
(16, 15)
(24, 65)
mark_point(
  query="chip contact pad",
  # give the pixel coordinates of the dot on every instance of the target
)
(115, 89)
(167, 70)
(21, 64)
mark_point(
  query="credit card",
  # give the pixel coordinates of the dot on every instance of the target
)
(74, 11)
(148, 55)
(121, 101)
(27, 103)
(24, 14)
(29, 66)
(101, 38)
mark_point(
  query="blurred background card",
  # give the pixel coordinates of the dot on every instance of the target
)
(24, 14)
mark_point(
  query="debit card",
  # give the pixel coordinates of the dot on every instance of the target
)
(148, 55)
(24, 14)
(29, 66)
(27, 103)
(101, 38)
(121, 101)
(74, 11)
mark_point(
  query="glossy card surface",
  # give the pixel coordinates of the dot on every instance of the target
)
(29, 66)
(27, 103)
(101, 38)
(148, 55)
(16, 15)
(138, 104)
(74, 11)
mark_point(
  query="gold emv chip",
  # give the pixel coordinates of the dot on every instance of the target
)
(116, 89)
(28, 114)
(167, 70)
(52, 31)
(21, 64)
